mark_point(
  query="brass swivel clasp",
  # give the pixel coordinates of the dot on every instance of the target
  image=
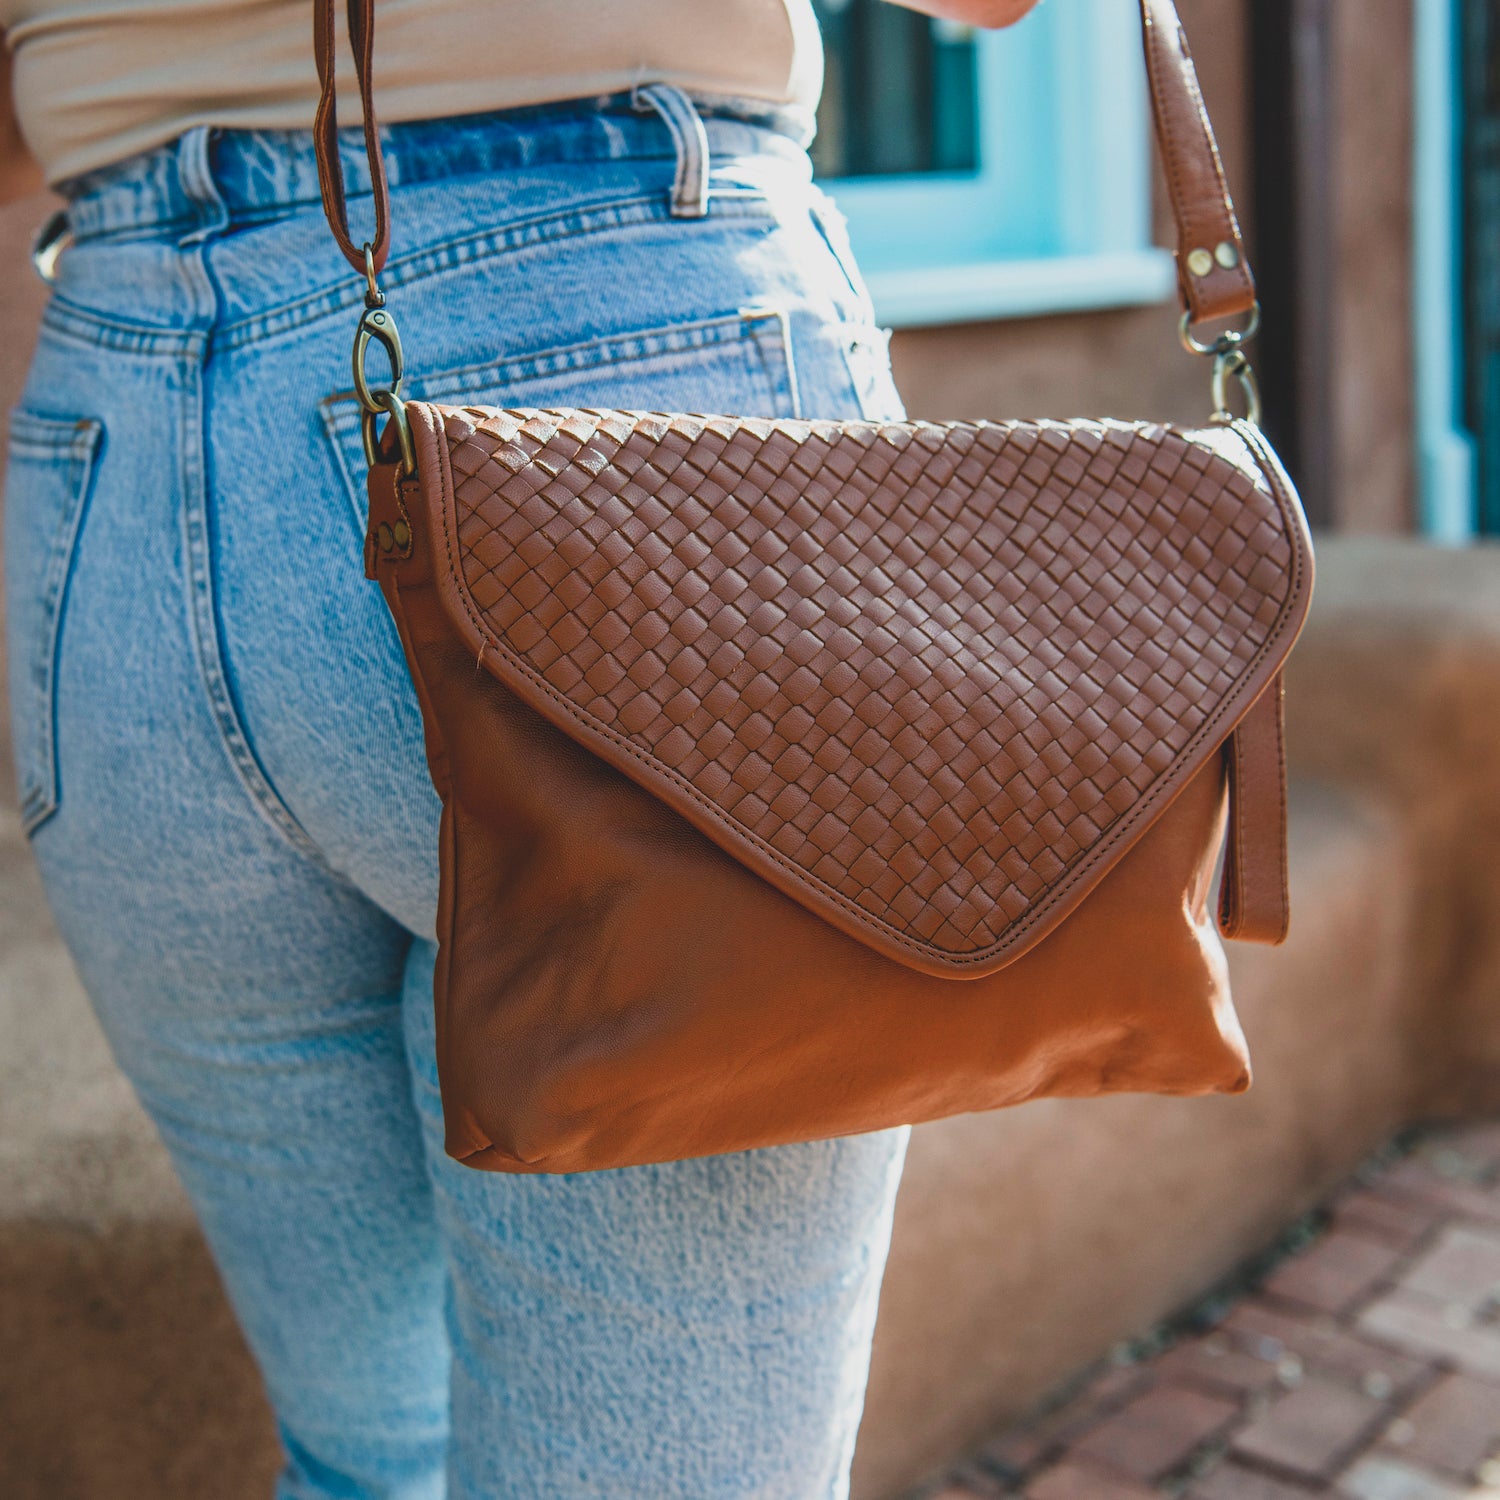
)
(1230, 363)
(378, 326)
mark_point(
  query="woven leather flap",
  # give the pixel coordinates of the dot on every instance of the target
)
(931, 680)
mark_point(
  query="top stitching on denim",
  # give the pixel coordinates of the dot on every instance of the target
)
(70, 320)
(451, 254)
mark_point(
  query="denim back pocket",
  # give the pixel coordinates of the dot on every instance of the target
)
(48, 476)
(738, 363)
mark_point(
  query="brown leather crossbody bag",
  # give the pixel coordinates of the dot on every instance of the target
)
(801, 778)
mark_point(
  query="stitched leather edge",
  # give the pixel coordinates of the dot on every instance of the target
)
(1080, 877)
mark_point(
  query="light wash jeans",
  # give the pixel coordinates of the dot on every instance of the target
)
(221, 768)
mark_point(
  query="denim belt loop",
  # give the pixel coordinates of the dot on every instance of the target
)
(690, 184)
(196, 178)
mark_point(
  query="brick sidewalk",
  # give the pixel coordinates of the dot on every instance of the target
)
(1364, 1365)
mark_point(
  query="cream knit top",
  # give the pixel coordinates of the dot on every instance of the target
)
(99, 80)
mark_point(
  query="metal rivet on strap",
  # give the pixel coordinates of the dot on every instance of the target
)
(1200, 261)
(385, 538)
(401, 535)
(1226, 255)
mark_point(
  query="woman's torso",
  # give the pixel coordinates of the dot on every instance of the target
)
(99, 80)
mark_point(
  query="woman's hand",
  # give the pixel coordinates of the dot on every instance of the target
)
(988, 13)
(19, 173)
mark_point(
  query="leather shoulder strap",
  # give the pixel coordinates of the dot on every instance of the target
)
(1213, 274)
(326, 129)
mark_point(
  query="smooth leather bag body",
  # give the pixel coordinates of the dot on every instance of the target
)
(807, 777)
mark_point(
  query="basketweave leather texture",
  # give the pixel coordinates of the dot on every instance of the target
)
(930, 679)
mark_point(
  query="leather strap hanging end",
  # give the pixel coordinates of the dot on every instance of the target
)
(1254, 898)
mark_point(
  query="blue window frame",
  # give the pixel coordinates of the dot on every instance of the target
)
(1447, 454)
(1055, 215)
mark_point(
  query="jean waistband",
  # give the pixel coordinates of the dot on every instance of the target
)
(235, 176)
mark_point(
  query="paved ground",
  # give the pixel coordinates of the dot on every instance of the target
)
(1360, 1361)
